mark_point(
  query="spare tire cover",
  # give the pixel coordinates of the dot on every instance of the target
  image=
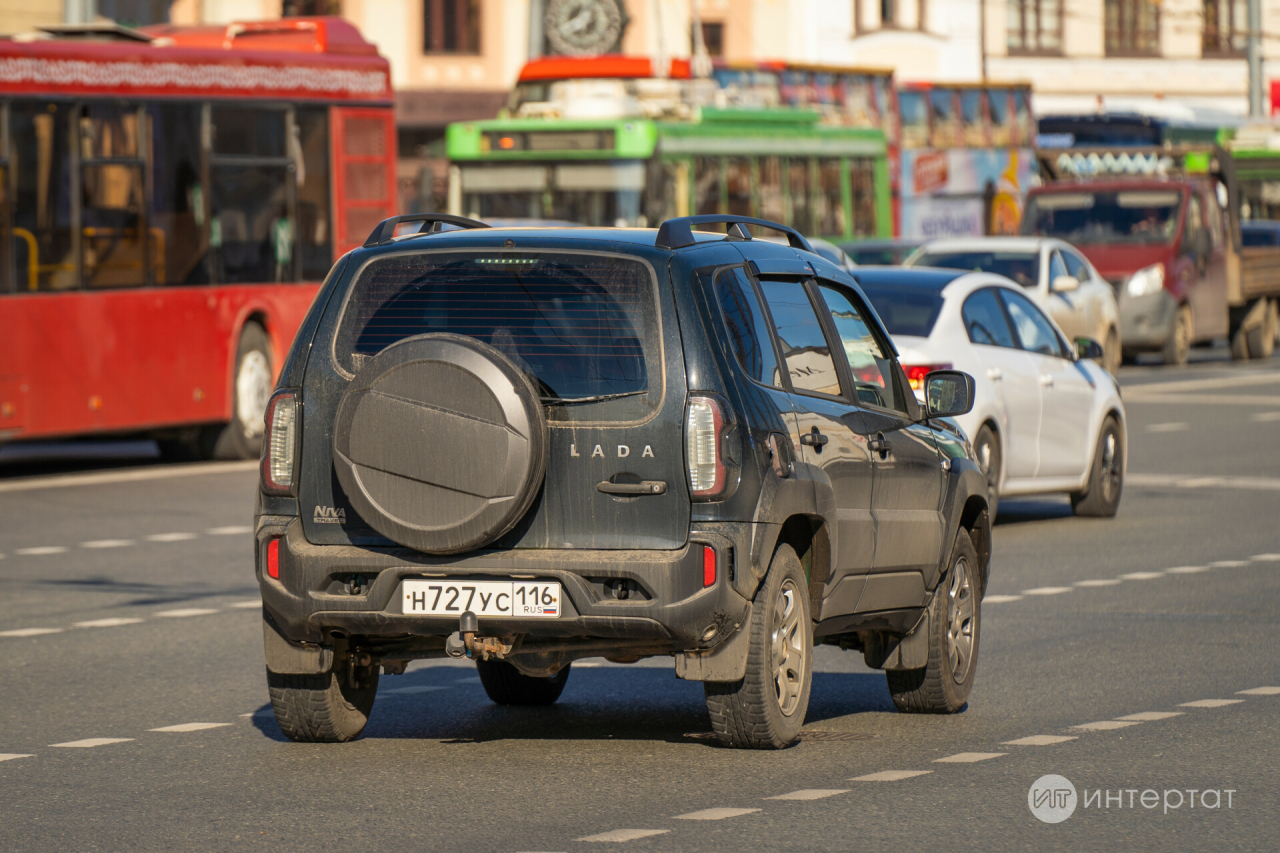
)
(440, 443)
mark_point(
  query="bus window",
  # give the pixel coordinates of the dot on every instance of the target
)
(41, 162)
(7, 245)
(602, 193)
(914, 109)
(500, 191)
(772, 204)
(862, 180)
(737, 180)
(1003, 128)
(311, 168)
(973, 124)
(828, 93)
(860, 101)
(1026, 125)
(707, 185)
(798, 194)
(887, 104)
(113, 223)
(942, 113)
(829, 200)
(794, 89)
(252, 225)
(178, 194)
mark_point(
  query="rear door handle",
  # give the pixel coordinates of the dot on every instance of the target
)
(644, 487)
(880, 445)
(994, 374)
(814, 439)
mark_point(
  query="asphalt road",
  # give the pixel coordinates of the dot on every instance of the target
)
(128, 606)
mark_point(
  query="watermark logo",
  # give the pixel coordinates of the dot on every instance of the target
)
(1052, 798)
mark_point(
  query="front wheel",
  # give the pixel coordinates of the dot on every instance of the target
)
(1106, 478)
(1111, 355)
(1177, 349)
(955, 618)
(766, 709)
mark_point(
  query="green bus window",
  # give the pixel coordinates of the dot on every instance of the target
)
(772, 204)
(862, 180)
(798, 194)
(707, 183)
(829, 199)
(738, 186)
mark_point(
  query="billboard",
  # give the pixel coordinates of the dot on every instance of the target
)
(963, 192)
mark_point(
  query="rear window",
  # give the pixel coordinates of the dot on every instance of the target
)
(581, 325)
(1022, 267)
(905, 310)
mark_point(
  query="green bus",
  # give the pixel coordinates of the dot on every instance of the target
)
(779, 163)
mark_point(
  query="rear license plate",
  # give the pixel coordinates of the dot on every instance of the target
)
(484, 598)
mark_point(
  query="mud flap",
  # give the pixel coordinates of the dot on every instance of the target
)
(909, 652)
(726, 662)
(286, 658)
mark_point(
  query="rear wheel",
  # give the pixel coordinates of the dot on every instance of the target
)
(331, 707)
(1262, 337)
(507, 685)
(986, 447)
(766, 709)
(250, 390)
(1178, 346)
(1106, 479)
(1111, 352)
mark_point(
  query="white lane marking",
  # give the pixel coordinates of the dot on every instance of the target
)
(170, 537)
(1229, 564)
(890, 775)
(417, 688)
(1150, 716)
(1266, 558)
(1106, 725)
(189, 727)
(1177, 385)
(1176, 426)
(111, 622)
(1047, 590)
(1186, 481)
(30, 632)
(1142, 576)
(1039, 740)
(1210, 703)
(969, 757)
(230, 530)
(245, 605)
(810, 794)
(1000, 599)
(108, 543)
(185, 611)
(715, 814)
(1259, 691)
(10, 756)
(1265, 417)
(624, 834)
(475, 679)
(158, 473)
(1099, 582)
(91, 742)
(41, 551)
(1187, 570)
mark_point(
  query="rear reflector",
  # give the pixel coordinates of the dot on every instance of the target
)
(708, 565)
(282, 440)
(273, 558)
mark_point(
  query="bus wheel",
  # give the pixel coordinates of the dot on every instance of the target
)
(250, 389)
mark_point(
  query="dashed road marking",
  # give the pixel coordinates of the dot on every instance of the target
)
(810, 794)
(1210, 703)
(1106, 725)
(1265, 417)
(417, 688)
(890, 775)
(624, 834)
(170, 537)
(1000, 599)
(1047, 590)
(108, 543)
(715, 814)
(1260, 691)
(186, 611)
(1229, 564)
(245, 605)
(1266, 558)
(1150, 716)
(1099, 582)
(112, 622)
(229, 530)
(189, 727)
(1039, 740)
(41, 551)
(162, 472)
(969, 757)
(91, 742)
(30, 632)
(1176, 426)
(10, 756)
(1187, 570)
(1142, 576)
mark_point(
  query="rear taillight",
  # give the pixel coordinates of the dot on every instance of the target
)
(704, 423)
(917, 372)
(279, 453)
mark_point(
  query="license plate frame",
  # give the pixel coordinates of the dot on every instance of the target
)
(492, 599)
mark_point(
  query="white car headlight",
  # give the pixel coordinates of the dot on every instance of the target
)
(1146, 281)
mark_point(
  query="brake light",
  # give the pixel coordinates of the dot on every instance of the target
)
(708, 565)
(703, 424)
(917, 372)
(273, 559)
(280, 449)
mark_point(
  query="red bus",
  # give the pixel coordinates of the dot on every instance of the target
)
(169, 200)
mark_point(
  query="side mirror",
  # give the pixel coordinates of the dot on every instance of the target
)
(948, 393)
(1064, 284)
(1088, 348)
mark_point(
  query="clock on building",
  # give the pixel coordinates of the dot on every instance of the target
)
(582, 27)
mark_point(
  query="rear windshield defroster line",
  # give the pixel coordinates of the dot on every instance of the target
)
(581, 325)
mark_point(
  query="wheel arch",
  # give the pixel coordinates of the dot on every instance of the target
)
(809, 537)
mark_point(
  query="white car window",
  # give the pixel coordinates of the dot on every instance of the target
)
(985, 322)
(1077, 267)
(1034, 330)
(1056, 266)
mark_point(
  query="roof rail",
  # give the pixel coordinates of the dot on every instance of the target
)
(678, 233)
(386, 229)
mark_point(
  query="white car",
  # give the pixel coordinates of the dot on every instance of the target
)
(1044, 418)
(1051, 272)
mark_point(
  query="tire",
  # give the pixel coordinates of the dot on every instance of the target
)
(955, 621)
(1178, 346)
(507, 685)
(986, 450)
(1106, 477)
(766, 709)
(1262, 338)
(324, 708)
(1111, 356)
(251, 386)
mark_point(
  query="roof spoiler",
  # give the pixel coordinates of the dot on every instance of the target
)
(432, 224)
(678, 233)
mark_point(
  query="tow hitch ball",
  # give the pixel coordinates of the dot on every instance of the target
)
(464, 642)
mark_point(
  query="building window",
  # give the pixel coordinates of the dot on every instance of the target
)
(872, 15)
(1226, 27)
(1034, 26)
(713, 38)
(1133, 27)
(310, 8)
(451, 26)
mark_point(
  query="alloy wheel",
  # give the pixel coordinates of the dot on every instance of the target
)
(787, 642)
(961, 621)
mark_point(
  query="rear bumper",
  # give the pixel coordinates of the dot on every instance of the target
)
(311, 601)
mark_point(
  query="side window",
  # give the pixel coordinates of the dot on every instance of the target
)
(748, 330)
(804, 346)
(1034, 330)
(985, 321)
(1077, 267)
(869, 361)
(1056, 266)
